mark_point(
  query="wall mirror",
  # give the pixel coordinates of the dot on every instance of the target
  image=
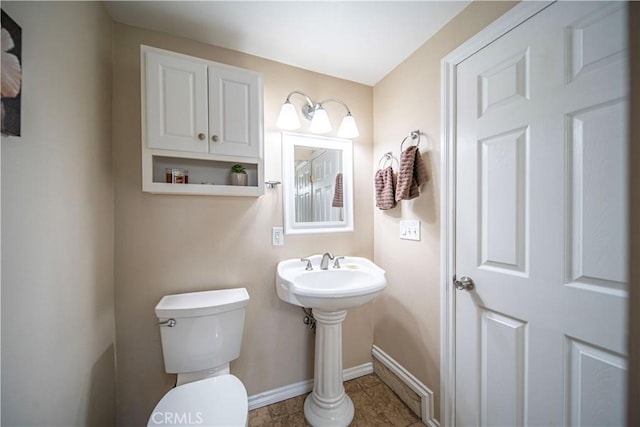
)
(317, 184)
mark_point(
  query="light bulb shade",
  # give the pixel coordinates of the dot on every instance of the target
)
(320, 122)
(348, 127)
(288, 118)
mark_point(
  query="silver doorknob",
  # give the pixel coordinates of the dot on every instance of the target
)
(215, 138)
(464, 284)
(201, 136)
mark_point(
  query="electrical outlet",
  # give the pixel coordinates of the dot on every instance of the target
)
(277, 236)
(410, 229)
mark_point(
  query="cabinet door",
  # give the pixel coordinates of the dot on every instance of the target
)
(235, 112)
(176, 98)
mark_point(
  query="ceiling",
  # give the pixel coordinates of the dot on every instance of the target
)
(361, 41)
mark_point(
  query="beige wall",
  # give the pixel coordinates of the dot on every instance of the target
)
(407, 316)
(57, 223)
(170, 244)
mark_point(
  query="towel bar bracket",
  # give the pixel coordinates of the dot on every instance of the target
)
(387, 157)
(414, 135)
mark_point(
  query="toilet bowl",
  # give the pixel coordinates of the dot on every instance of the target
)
(201, 332)
(215, 401)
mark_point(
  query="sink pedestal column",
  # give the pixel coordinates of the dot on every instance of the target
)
(328, 404)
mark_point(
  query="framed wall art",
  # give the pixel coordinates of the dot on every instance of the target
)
(11, 75)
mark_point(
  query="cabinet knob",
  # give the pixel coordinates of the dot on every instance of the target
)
(215, 138)
(201, 136)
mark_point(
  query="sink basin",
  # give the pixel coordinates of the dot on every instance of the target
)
(330, 293)
(355, 283)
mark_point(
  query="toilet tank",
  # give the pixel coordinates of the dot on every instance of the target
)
(208, 328)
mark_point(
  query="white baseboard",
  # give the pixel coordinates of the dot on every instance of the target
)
(426, 395)
(292, 390)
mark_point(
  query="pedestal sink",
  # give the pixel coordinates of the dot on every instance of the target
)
(330, 293)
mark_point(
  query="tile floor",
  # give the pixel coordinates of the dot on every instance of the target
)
(375, 405)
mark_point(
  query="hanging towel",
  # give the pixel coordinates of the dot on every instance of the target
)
(338, 197)
(385, 188)
(412, 174)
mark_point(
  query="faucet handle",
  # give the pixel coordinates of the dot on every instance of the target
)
(309, 266)
(336, 262)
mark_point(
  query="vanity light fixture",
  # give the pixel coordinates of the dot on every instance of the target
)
(288, 118)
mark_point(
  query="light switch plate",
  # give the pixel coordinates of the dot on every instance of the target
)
(277, 236)
(410, 229)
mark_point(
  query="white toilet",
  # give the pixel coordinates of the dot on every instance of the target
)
(201, 333)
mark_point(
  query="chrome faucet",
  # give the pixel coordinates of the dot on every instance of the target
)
(324, 264)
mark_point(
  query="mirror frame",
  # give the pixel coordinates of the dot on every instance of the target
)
(289, 142)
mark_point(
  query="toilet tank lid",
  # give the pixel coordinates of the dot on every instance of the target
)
(195, 304)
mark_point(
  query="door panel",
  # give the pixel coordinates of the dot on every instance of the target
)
(502, 198)
(596, 377)
(176, 100)
(503, 361)
(507, 82)
(234, 120)
(304, 186)
(596, 40)
(541, 226)
(597, 185)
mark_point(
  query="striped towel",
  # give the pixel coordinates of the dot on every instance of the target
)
(412, 174)
(338, 197)
(385, 188)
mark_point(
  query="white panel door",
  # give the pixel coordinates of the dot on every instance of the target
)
(325, 168)
(541, 226)
(234, 112)
(304, 188)
(176, 97)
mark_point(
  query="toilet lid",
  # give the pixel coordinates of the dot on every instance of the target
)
(216, 401)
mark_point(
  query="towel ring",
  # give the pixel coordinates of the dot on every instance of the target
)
(415, 136)
(387, 157)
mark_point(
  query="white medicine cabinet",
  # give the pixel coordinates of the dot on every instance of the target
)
(199, 118)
